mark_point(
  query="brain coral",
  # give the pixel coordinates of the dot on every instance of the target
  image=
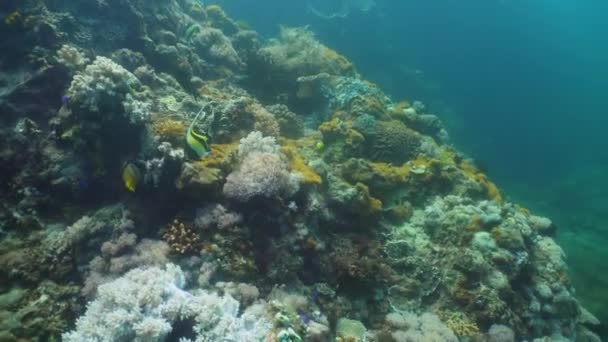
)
(393, 142)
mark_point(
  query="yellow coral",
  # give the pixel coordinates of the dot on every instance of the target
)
(14, 19)
(298, 165)
(337, 128)
(220, 156)
(169, 130)
(334, 59)
(390, 173)
(401, 106)
(397, 111)
(460, 324)
(372, 205)
(473, 173)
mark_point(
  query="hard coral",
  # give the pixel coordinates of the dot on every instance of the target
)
(215, 46)
(181, 237)
(355, 199)
(264, 121)
(218, 19)
(460, 324)
(221, 156)
(340, 130)
(298, 165)
(490, 189)
(291, 124)
(298, 53)
(169, 130)
(394, 143)
(198, 180)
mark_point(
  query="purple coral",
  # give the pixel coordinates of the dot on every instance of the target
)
(261, 174)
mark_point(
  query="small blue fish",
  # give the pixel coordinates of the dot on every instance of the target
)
(304, 317)
(314, 295)
(65, 99)
(83, 183)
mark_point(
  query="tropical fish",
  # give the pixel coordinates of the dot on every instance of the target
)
(197, 141)
(131, 176)
(304, 317)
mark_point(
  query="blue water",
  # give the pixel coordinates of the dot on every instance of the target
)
(521, 85)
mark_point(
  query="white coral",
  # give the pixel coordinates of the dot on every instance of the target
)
(426, 327)
(256, 142)
(71, 57)
(142, 305)
(102, 80)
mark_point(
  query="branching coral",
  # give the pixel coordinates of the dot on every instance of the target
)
(181, 237)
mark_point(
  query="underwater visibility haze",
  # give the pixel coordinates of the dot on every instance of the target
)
(338, 170)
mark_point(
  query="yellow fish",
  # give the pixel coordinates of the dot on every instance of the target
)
(197, 141)
(320, 145)
(131, 176)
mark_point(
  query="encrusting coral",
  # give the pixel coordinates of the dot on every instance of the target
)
(320, 210)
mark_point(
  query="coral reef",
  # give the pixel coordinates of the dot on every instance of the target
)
(323, 211)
